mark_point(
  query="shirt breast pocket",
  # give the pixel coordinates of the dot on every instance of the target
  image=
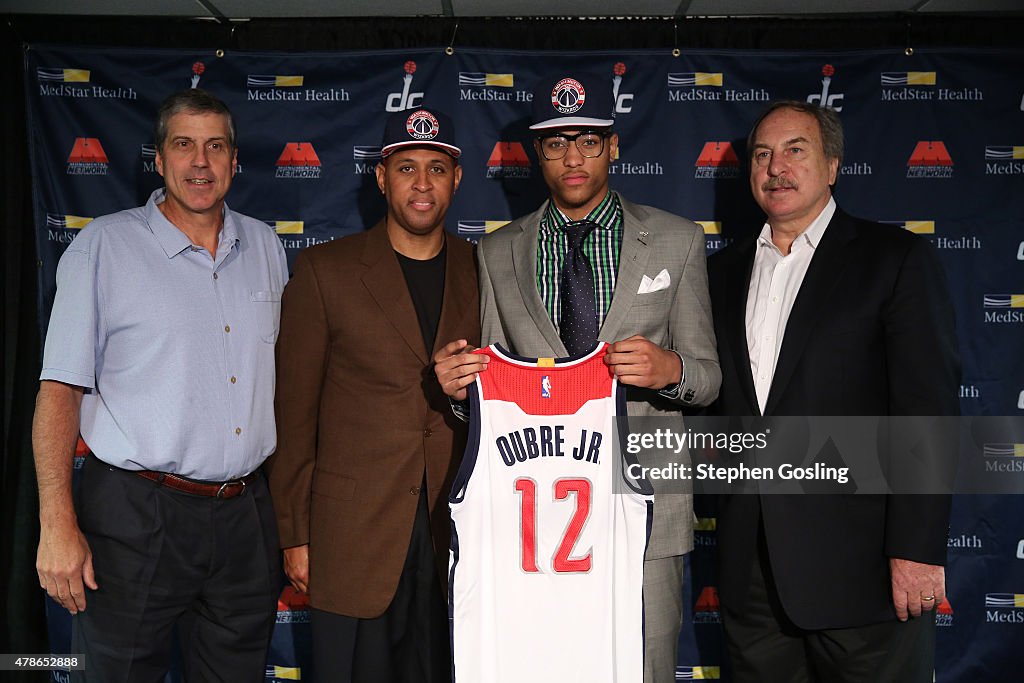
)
(266, 314)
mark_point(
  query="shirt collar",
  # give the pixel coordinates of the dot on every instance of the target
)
(172, 240)
(810, 237)
(606, 215)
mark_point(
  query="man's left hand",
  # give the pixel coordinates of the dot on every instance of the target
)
(642, 363)
(916, 587)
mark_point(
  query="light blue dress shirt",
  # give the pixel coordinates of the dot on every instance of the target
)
(175, 348)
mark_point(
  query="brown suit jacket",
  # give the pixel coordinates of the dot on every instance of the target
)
(361, 417)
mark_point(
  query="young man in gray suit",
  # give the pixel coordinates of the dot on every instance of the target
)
(650, 302)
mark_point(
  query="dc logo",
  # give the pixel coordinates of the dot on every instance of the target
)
(568, 96)
(422, 125)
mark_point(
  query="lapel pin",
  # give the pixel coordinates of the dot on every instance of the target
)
(642, 237)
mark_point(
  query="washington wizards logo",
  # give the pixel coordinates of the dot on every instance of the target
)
(422, 125)
(568, 96)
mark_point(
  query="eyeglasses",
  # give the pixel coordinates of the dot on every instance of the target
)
(589, 144)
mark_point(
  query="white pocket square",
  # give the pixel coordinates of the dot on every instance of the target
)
(661, 281)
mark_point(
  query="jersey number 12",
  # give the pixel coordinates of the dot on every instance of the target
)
(562, 563)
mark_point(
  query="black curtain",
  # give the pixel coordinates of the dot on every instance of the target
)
(22, 625)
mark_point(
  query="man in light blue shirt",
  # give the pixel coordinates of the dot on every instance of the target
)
(160, 352)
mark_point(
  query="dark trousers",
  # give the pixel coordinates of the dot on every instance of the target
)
(166, 560)
(766, 647)
(406, 644)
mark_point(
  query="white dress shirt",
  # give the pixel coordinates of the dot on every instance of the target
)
(774, 284)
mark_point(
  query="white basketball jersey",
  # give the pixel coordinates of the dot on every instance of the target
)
(546, 566)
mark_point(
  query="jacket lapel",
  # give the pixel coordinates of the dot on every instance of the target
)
(633, 257)
(823, 273)
(459, 287)
(524, 263)
(386, 283)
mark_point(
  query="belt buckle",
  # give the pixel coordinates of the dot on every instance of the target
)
(225, 485)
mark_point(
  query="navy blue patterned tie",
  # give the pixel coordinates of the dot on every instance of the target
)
(578, 320)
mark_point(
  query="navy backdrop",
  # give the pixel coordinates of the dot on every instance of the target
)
(935, 144)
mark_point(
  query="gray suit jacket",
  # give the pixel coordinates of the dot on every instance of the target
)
(678, 318)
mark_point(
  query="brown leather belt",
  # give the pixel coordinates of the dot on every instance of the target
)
(213, 489)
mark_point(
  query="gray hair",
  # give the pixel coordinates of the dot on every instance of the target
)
(829, 125)
(192, 101)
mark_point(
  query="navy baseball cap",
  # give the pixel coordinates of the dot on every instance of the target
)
(420, 127)
(573, 99)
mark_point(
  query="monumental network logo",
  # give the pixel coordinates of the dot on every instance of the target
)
(508, 160)
(77, 83)
(1004, 308)
(1004, 608)
(1003, 457)
(298, 160)
(707, 609)
(474, 230)
(1004, 159)
(623, 101)
(717, 160)
(87, 158)
(825, 98)
(406, 99)
(292, 607)
(283, 673)
(901, 86)
(698, 673)
(930, 159)
(944, 613)
(709, 86)
(366, 158)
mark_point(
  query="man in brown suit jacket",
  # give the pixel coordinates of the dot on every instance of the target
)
(367, 442)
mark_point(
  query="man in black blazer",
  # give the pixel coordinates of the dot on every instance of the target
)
(826, 314)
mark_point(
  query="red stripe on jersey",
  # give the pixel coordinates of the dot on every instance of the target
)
(568, 388)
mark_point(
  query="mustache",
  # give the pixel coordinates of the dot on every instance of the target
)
(778, 182)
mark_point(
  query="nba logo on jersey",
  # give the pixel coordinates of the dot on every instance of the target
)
(545, 387)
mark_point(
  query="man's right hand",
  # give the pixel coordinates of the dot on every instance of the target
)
(64, 565)
(296, 567)
(456, 367)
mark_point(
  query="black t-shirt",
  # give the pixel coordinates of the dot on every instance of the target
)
(425, 280)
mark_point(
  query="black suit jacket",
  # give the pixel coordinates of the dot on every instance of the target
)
(871, 333)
